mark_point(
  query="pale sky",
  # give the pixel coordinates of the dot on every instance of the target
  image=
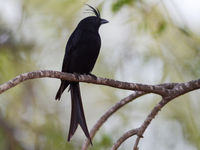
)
(187, 11)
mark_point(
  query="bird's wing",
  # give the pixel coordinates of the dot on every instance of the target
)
(70, 47)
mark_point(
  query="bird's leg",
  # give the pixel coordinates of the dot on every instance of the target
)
(76, 75)
(92, 75)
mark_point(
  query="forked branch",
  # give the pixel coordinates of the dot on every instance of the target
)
(168, 91)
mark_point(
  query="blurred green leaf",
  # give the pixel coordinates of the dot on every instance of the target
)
(118, 4)
(161, 28)
(105, 142)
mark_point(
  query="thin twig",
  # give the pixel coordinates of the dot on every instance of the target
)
(109, 112)
(148, 120)
(140, 131)
(123, 138)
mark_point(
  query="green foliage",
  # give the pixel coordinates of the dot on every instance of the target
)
(118, 4)
(105, 142)
(53, 137)
(161, 28)
(2, 140)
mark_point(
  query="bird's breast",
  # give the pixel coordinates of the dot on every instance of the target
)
(86, 53)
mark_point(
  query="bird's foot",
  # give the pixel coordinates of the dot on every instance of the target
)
(76, 75)
(92, 75)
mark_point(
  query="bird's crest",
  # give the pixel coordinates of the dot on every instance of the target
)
(95, 11)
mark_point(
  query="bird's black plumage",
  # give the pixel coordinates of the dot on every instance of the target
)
(81, 53)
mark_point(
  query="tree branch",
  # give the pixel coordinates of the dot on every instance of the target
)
(148, 120)
(123, 138)
(139, 131)
(168, 91)
(157, 89)
(178, 91)
(108, 114)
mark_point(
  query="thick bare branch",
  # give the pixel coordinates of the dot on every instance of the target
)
(168, 91)
(157, 89)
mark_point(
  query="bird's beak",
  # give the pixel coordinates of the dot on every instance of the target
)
(103, 21)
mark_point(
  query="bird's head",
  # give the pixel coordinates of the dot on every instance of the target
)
(92, 22)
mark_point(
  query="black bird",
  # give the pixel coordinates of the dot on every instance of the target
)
(81, 53)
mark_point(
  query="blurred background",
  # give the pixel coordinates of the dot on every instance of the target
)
(146, 41)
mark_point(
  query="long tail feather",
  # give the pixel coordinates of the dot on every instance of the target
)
(63, 86)
(77, 112)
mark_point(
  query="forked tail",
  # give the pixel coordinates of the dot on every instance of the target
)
(77, 112)
(64, 84)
